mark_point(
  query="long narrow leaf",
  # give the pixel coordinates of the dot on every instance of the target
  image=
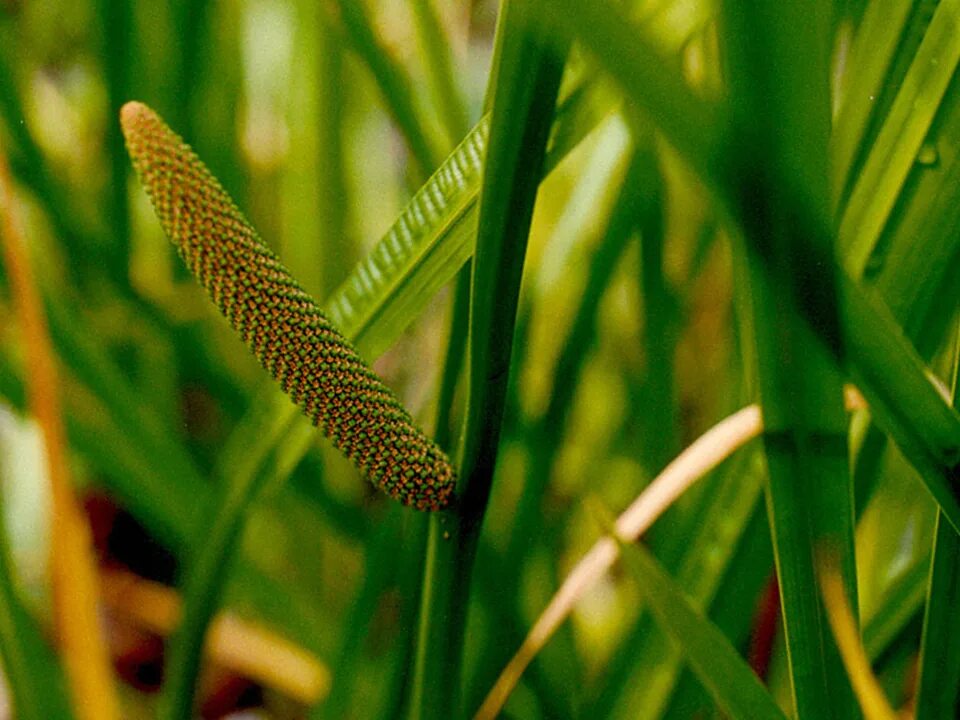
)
(392, 81)
(207, 568)
(36, 683)
(711, 543)
(873, 51)
(425, 247)
(29, 164)
(716, 663)
(912, 266)
(940, 650)
(524, 89)
(175, 470)
(939, 670)
(902, 602)
(895, 150)
(435, 234)
(439, 61)
(779, 85)
(118, 40)
(882, 363)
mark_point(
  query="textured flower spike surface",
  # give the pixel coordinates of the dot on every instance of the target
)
(281, 323)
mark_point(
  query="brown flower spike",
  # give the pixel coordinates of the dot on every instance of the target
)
(281, 323)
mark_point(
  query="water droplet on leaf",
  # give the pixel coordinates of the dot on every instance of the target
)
(928, 155)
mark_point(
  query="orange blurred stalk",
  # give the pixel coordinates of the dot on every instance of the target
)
(865, 684)
(73, 569)
(233, 643)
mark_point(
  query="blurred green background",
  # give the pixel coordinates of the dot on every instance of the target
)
(322, 127)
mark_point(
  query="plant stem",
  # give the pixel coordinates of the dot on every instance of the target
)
(779, 81)
(636, 201)
(939, 665)
(438, 59)
(393, 82)
(116, 27)
(523, 89)
(456, 350)
(882, 363)
(208, 568)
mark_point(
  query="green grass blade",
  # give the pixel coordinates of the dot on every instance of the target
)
(880, 360)
(409, 580)
(636, 206)
(809, 497)
(524, 97)
(33, 675)
(209, 564)
(454, 360)
(939, 673)
(435, 234)
(710, 544)
(872, 53)
(902, 398)
(714, 661)
(438, 60)
(155, 503)
(919, 248)
(778, 60)
(940, 650)
(118, 41)
(190, 44)
(897, 146)
(660, 426)
(744, 582)
(333, 199)
(695, 127)
(511, 629)
(635, 201)
(908, 35)
(393, 82)
(381, 559)
(524, 89)
(421, 252)
(32, 169)
(900, 605)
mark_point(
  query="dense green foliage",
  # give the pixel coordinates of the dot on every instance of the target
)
(662, 212)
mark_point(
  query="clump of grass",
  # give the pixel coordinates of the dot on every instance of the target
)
(839, 207)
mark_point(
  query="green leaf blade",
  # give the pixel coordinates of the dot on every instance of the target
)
(714, 661)
(897, 146)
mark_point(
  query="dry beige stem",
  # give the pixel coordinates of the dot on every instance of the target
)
(706, 453)
(73, 567)
(233, 643)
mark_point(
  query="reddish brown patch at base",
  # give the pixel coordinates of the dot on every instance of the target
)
(138, 659)
(101, 513)
(765, 628)
(227, 693)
